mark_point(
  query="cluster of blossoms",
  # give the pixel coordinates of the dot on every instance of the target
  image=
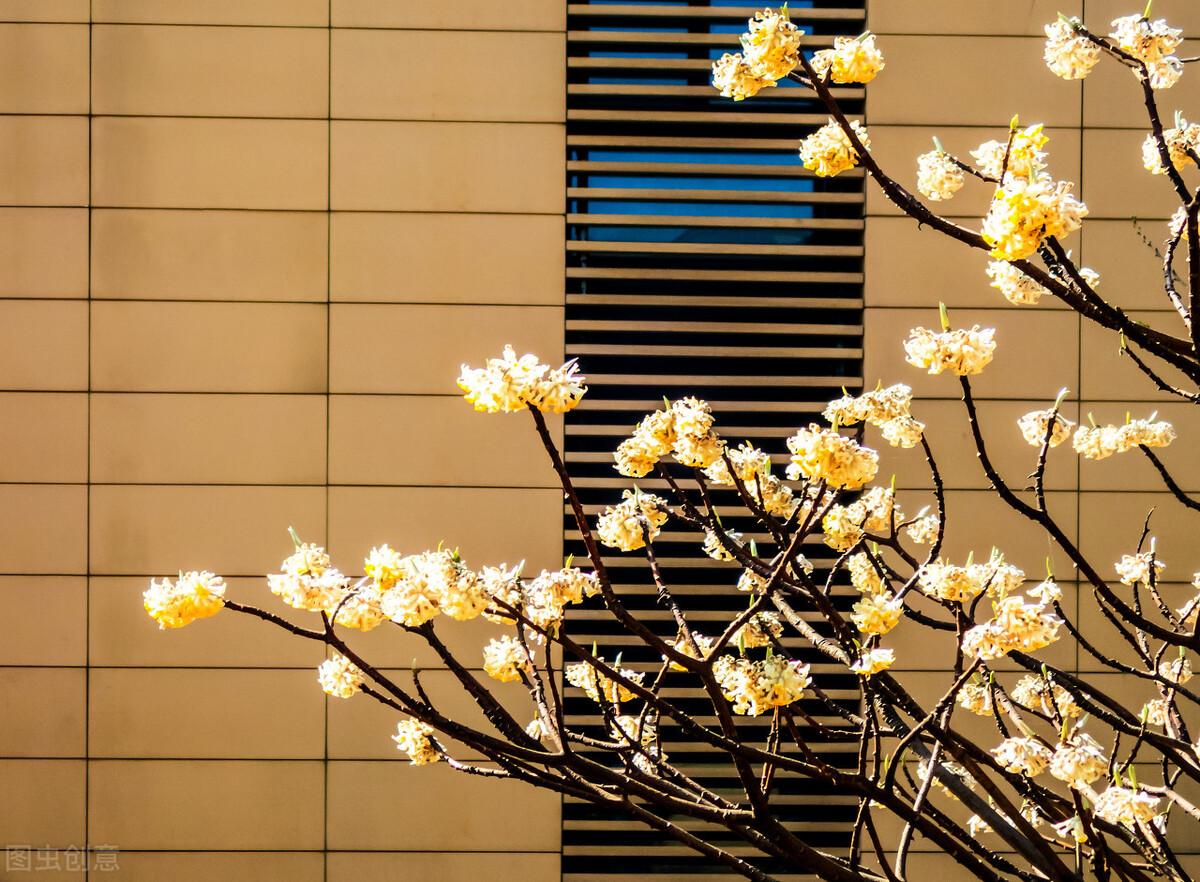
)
(1018, 288)
(823, 455)
(1068, 53)
(962, 351)
(1027, 756)
(877, 614)
(924, 529)
(875, 512)
(828, 152)
(1026, 211)
(1036, 428)
(770, 51)
(415, 738)
(1183, 142)
(755, 687)
(865, 573)
(598, 687)
(1078, 761)
(851, 60)
(885, 408)
(632, 523)
(1101, 442)
(339, 676)
(684, 430)
(545, 599)
(1016, 626)
(1141, 568)
(950, 582)
(509, 384)
(506, 659)
(1024, 158)
(642, 736)
(1035, 694)
(975, 696)
(1177, 670)
(752, 467)
(308, 580)
(1152, 43)
(763, 629)
(194, 595)
(414, 588)
(873, 661)
(939, 177)
(1125, 805)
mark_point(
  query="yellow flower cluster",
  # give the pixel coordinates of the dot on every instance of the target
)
(762, 630)
(1183, 142)
(547, 596)
(753, 468)
(413, 737)
(1027, 756)
(698, 647)
(877, 613)
(509, 384)
(875, 512)
(887, 409)
(828, 152)
(339, 676)
(505, 659)
(194, 595)
(415, 588)
(308, 580)
(1035, 426)
(873, 661)
(1101, 442)
(1025, 211)
(924, 530)
(1078, 761)
(1125, 805)
(864, 574)
(824, 455)
(851, 60)
(625, 526)
(755, 687)
(976, 697)
(1069, 54)
(715, 548)
(1025, 157)
(954, 583)
(1151, 42)
(770, 51)
(1017, 288)
(596, 685)
(1017, 626)
(1138, 568)
(961, 351)
(938, 176)
(685, 430)
(1034, 692)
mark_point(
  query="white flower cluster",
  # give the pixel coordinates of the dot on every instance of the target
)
(685, 431)
(755, 687)
(636, 520)
(194, 595)
(851, 60)
(339, 676)
(964, 352)
(1139, 568)
(753, 468)
(1153, 43)
(1034, 693)
(1078, 761)
(1016, 626)
(828, 152)
(599, 687)
(873, 512)
(509, 384)
(947, 581)
(1183, 142)
(1068, 53)
(770, 51)
(873, 661)
(506, 659)
(1035, 426)
(1028, 756)
(885, 408)
(413, 737)
(877, 614)
(1101, 442)
(1125, 805)
(939, 177)
(824, 455)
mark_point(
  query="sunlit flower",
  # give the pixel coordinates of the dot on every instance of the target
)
(873, 661)
(824, 455)
(697, 647)
(696, 444)
(505, 659)
(413, 737)
(1025, 211)
(771, 46)
(1100, 442)
(1025, 156)
(1034, 693)
(939, 177)
(715, 548)
(1035, 426)
(1156, 712)
(1164, 73)
(735, 79)
(650, 442)
(947, 581)
(1183, 141)
(509, 384)
(976, 697)
(360, 608)
(194, 595)
(1125, 805)
(339, 677)
(504, 585)
(924, 530)
(1178, 670)
(1016, 627)
(625, 526)
(828, 152)
(876, 407)
(1078, 761)
(1046, 592)
(547, 596)
(1145, 39)
(864, 574)
(877, 613)
(762, 630)
(1017, 288)
(1141, 567)
(851, 60)
(963, 351)
(596, 685)
(1072, 828)
(903, 432)
(1069, 54)
(1028, 756)
(755, 687)
(953, 771)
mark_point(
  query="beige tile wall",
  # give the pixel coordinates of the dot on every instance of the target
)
(984, 60)
(242, 255)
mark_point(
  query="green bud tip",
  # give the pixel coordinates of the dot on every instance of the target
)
(944, 314)
(295, 537)
(937, 143)
(1062, 394)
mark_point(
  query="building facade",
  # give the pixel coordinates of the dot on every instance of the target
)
(246, 246)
